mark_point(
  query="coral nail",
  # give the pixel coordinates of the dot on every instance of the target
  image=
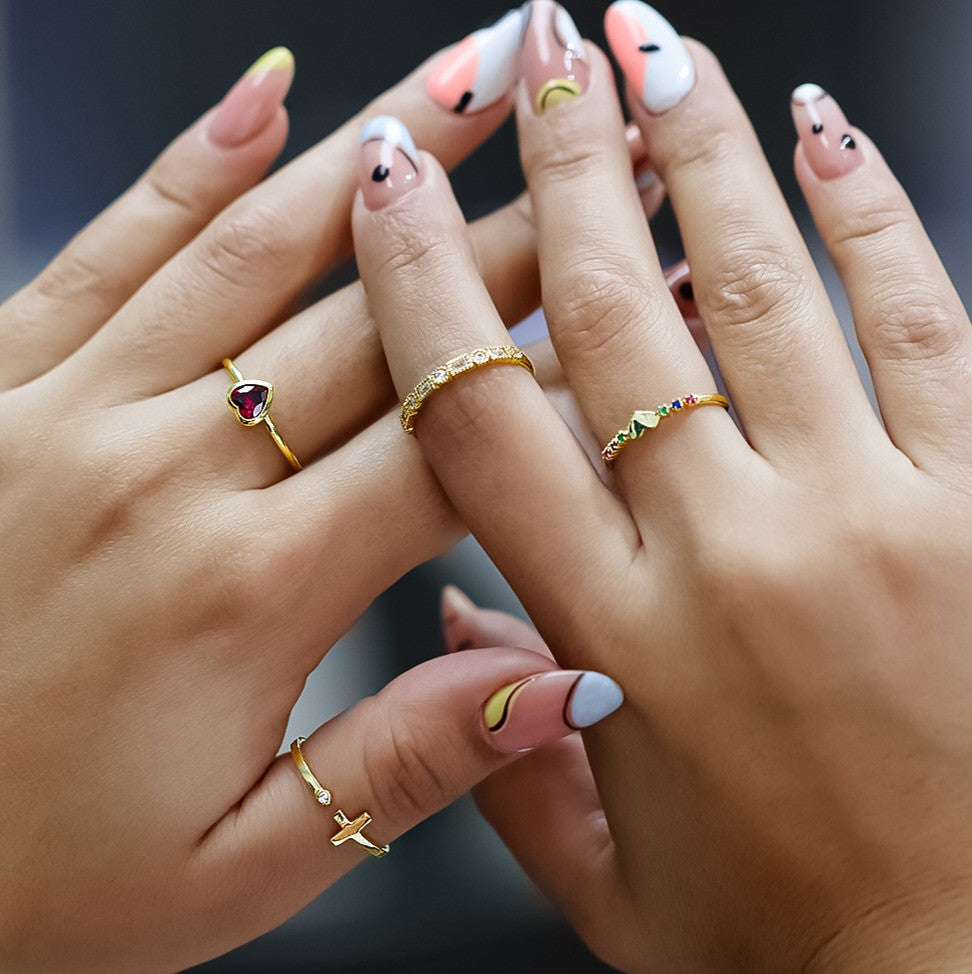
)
(824, 132)
(389, 165)
(548, 706)
(655, 62)
(252, 102)
(481, 69)
(554, 66)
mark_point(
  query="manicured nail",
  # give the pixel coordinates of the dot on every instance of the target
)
(456, 608)
(654, 60)
(824, 133)
(554, 67)
(548, 706)
(481, 69)
(252, 102)
(389, 161)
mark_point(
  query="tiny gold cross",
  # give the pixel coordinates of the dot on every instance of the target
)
(352, 830)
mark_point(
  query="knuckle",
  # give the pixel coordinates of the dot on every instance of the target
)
(72, 276)
(242, 246)
(167, 187)
(421, 263)
(599, 305)
(705, 158)
(565, 161)
(401, 769)
(875, 226)
(757, 291)
(913, 325)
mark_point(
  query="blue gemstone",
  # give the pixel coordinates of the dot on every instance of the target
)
(676, 404)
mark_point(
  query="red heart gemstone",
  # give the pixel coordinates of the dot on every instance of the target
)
(250, 399)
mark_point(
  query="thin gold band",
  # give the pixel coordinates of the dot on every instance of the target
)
(643, 420)
(444, 374)
(264, 416)
(350, 829)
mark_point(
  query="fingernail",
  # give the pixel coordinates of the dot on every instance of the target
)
(252, 102)
(678, 277)
(554, 67)
(646, 176)
(456, 608)
(548, 706)
(389, 161)
(655, 62)
(824, 133)
(481, 69)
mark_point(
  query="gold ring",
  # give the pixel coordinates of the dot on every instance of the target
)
(250, 399)
(437, 378)
(350, 829)
(643, 420)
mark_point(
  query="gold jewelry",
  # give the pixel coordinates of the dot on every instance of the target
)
(350, 829)
(250, 399)
(643, 420)
(476, 359)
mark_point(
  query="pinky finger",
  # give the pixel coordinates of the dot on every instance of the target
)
(214, 161)
(910, 322)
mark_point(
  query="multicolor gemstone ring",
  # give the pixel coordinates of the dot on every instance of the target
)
(250, 399)
(350, 829)
(643, 420)
(444, 374)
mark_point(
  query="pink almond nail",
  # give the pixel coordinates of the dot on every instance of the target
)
(824, 132)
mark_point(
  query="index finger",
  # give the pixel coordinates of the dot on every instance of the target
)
(510, 465)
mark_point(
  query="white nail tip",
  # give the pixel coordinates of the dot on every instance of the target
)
(669, 72)
(498, 59)
(805, 94)
(391, 130)
(594, 697)
(568, 31)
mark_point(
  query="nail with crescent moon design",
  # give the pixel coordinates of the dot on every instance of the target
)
(554, 65)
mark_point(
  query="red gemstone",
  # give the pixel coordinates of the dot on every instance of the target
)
(250, 399)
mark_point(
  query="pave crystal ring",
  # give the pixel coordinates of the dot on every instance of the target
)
(643, 420)
(350, 828)
(249, 400)
(444, 374)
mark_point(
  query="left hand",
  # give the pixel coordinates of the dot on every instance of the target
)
(789, 786)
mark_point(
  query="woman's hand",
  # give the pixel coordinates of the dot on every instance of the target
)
(789, 785)
(165, 586)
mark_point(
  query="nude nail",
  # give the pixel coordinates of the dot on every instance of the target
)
(554, 66)
(824, 132)
(389, 161)
(545, 707)
(251, 103)
(481, 69)
(456, 608)
(655, 62)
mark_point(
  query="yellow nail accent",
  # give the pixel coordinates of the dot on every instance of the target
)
(276, 59)
(500, 704)
(555, 93)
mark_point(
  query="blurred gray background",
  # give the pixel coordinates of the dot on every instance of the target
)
(89, 91)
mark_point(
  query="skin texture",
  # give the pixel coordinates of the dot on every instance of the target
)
(787, 787)
(166, 584)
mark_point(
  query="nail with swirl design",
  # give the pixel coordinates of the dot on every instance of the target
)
(553, 57)
(547, 706)
(389, 163)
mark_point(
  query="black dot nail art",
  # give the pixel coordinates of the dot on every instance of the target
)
(380, 174)
(463, 102)
(686, 291)
(847, 142)
(648, 48)
(817, 128)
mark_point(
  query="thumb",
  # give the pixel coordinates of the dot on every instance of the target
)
(387, 763)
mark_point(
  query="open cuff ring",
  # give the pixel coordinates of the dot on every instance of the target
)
(350, 829)
(249, 400)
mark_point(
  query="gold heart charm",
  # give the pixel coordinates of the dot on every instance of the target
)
(643, 419)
